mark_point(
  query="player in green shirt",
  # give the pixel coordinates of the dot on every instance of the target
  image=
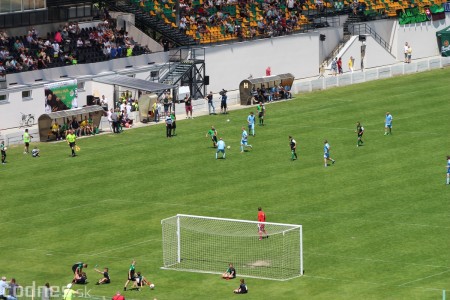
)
(131, 274)
(71, 138)
(3, 151)
(212, 133)
(261, 113)
(26, 140)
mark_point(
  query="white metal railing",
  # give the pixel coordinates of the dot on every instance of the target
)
(427, 64)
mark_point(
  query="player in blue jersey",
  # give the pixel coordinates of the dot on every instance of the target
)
(326, 153)
(388, 124)
(448, 169)
(251, 123)
(220, 148)
(244, 138)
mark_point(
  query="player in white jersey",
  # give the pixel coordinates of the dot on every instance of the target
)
(244, 138)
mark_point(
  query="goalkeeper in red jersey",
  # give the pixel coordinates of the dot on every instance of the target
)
(261, 225)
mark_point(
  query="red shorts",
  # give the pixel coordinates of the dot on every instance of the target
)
(261, 227)
(188, 108)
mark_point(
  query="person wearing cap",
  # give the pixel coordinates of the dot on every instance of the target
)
(69, 292)
(118, 296)
(211, 107)
(3, 287)
(220, 148)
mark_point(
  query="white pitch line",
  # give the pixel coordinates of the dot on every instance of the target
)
(371, 283)
(55, 211)
(126, 246)
(420, 279)
(378, 260)
(51, 252)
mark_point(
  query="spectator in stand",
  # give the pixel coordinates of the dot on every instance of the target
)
(268, 71)
(183, 26)
(113, 53)
(56, 49)
(80, 43)
(58, 37)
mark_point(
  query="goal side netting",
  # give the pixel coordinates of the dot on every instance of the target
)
(208, 245)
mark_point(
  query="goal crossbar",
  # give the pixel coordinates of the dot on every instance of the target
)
(231, 220)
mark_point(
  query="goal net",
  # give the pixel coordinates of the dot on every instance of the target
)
(208, 245)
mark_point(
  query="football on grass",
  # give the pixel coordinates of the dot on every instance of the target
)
(228, 147)
(152, 286)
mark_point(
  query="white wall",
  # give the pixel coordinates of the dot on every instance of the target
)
(383, 28)
(421, 37)
(10, 112)
(228, 65)
(97, 88)
(333, 37)
(376, 55)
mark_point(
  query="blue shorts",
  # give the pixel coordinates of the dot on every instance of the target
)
(220, 150)
(326, 155)
(388, 125)
(243, 142)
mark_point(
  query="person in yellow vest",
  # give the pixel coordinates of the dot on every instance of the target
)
(26, 140)
(71, 138)
(129, 51)
(68, 292)
(55, 130)
(350, 64)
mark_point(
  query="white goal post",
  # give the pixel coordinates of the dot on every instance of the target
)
(208, 245)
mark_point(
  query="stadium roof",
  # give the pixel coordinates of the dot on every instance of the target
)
(71, 112)
(133, 83)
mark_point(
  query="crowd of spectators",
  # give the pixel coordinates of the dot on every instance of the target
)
(82, 127)
(67, 46)
(238, 18)
(269, 94)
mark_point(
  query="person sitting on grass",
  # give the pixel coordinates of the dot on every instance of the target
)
(105, 278)
(230, 273)
(35, 152)
(80, 278)
(242, 288)
(140, 281)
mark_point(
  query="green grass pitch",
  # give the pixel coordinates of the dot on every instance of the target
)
(376, 224)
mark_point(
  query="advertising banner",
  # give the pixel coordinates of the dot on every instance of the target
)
(61, 95)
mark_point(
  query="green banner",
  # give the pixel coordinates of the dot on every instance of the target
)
(412, 15)
(61, 96)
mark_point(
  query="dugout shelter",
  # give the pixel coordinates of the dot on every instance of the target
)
(247, 85)
(45, 121)
(146, 106)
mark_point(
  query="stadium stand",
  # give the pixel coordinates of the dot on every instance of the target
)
(69, 45)
(218, 21)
